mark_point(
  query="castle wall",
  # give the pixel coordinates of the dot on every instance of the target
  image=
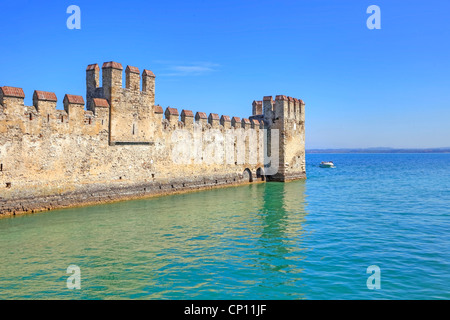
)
(123, 146)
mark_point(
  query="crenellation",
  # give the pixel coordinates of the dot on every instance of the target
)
(45, 103)
(73, 99)
(92, 83)
(132, 78)
(111, 78)
(101, 112)
(201, 118)
(214, 120)
(123, 141)
(93, 67)
(172, 115)
(74, 106)
(290, 108)
(158, 114)
(148, 85)
(236, 122)
(225, 121)
(302, 111)
(296, 110)
(280, 107)
(99, 103)
(43, 96)
(257, 107)
(158, 109)
(11, 92)
(12, 100)
(268, 108)
(255, 123)
(187, 117)
(246, 124)
(131, 116)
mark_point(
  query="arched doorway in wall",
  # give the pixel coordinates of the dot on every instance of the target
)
(247, 175)
(260, 174)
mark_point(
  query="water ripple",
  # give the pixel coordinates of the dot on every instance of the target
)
(309, 239)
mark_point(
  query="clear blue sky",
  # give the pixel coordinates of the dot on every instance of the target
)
(362, 88)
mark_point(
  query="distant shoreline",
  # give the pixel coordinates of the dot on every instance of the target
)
(379, 150)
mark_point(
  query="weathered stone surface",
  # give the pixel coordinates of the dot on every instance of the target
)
(122, 147)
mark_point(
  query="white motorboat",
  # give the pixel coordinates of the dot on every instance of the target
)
(326, 164)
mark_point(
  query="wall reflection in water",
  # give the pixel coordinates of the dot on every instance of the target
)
(233, 243)
(281, 249)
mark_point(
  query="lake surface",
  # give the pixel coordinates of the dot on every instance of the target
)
(310, 239)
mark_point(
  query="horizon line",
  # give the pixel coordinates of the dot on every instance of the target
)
(379, 150)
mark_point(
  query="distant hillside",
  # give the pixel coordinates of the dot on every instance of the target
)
(380, 150)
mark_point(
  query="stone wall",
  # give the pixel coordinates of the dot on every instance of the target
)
(124, 147)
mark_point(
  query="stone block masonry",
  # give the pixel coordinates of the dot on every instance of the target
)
(123, 146)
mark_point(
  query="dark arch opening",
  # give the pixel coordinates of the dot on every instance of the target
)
(260, 174)
(247, 175)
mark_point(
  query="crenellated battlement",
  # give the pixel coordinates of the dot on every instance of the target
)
(116, 136)
(171, 119)
(128, 112)
(283, 108)
(112, 76)
(43, 116)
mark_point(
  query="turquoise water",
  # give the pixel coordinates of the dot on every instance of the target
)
(310, 239)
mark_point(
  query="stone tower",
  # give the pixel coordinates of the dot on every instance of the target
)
(287, 116)
(131, 109)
